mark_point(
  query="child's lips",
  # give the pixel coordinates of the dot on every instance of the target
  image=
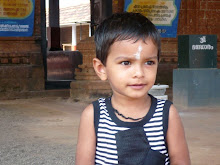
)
(137, 86)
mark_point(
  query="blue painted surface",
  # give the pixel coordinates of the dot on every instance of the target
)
(18, 27)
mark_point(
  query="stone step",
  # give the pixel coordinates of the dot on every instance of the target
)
(87, 78)
(86, 74)
(86, 70)
(89, 89)
(91, 85)
(86, 66)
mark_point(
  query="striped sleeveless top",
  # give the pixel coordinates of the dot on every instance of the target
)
(107, 126)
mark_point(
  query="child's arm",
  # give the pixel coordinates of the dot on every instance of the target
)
(177, 146)
(85, 152)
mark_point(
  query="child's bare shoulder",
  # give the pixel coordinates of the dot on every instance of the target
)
(88, 112)
(173, 113)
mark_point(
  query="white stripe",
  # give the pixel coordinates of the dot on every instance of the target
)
(113, 127)
(154, 133)
(103, 112)
(103, 108)
(104, 135)
(164, 152)
(107, 155)
(153, 124)
(107, 131)
(155, 138)
(157, 143)
(107, 160)
(153, 129)
(105, 116)
(99, 161)
(156, 119)
(101, 99)
(158, 114)
(160, 105)
(158, 148)
(102, 104)
(161, 101)
(159, 109)
(106, 140)
(107, 121)
(103, 125)
(107, 150)
(107, 145)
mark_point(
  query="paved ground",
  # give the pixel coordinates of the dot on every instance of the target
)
(43, 131)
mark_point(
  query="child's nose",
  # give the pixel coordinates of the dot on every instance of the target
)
(138, 71)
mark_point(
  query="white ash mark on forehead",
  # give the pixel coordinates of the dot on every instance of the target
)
(138, 54)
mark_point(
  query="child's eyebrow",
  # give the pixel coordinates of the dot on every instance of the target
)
(132, 58)
(152, 57)
(124, 58)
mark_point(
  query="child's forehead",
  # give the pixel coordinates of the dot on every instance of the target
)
(130, 48)
(132, 43)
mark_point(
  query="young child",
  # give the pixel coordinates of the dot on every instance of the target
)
(131, 127)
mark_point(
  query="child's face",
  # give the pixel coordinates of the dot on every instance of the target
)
(131, 68)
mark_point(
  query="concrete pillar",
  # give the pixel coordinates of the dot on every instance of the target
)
(74, 37)
(90, 31)
(53, 31)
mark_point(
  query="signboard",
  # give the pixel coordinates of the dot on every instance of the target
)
(197, 51)
(16, 18)
(163, 13)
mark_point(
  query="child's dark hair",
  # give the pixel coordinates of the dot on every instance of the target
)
(124, 26)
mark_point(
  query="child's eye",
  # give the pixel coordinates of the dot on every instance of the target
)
(150, 63)
(125, 63)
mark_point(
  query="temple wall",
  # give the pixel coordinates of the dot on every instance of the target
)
(21, 61)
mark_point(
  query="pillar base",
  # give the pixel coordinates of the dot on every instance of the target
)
(89, 89)
(196, 87)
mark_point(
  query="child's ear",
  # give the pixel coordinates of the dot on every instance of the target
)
(99, 69)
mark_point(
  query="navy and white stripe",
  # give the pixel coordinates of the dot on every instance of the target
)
(106, 149)
(155, 131)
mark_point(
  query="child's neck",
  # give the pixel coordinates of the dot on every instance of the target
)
(135, 108)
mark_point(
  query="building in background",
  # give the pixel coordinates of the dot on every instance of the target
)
(74, 19)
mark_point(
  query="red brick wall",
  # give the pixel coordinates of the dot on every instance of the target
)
(21, 64)
(117, 6)
(199, 17)
(84, 32)
(65, 35)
